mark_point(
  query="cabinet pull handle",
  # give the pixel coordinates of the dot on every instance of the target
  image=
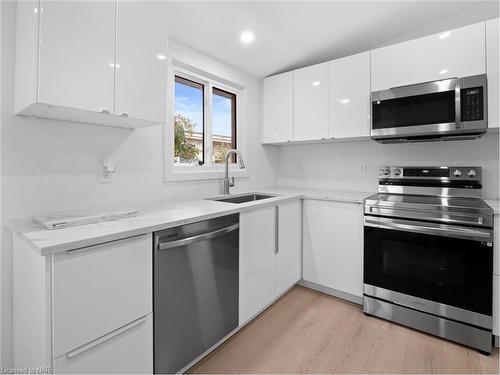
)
(276, 230)
(124, 114)
(201, 237)
(104, 111)
(91, 247)
(103, 339)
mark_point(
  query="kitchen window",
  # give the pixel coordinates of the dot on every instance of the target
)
(204, 122)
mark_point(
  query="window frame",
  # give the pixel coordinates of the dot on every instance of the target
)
(193, 83)
(234, 117)
(209, 170)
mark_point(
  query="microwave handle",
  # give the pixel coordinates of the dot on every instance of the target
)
(421, 83)
(458, 106)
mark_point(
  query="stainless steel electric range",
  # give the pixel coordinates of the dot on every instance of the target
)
(428, 253)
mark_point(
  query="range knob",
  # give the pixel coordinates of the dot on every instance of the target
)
(457, 173)
(384, 172)
(471, 173)
(397, 172)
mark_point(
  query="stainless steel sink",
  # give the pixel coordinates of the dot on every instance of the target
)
(242, 198)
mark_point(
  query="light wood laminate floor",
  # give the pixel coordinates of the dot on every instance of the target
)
(310, 332)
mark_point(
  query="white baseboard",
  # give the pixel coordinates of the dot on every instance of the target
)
(333, 292)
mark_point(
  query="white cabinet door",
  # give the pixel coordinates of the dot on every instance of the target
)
(350, 96)
(454, 53)
(141, 51)
(99, 289)
(492, 62)
(257, 261)
(278, 108)
(333, 245)
(77, 54)
(496, 302)
(496, 244)
(128, 350)
(288, 258)
(310, 105)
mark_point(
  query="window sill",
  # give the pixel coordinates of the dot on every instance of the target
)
(195, 173)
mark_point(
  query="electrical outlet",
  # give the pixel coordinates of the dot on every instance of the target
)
(107, 171)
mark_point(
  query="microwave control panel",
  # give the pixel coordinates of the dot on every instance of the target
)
(472, 100)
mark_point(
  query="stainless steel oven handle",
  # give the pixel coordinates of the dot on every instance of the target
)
(428, 228)
(457, 217)
(200, 237)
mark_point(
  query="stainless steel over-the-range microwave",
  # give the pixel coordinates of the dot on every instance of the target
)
(447, 109)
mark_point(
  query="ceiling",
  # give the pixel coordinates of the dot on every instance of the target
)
(293, 34)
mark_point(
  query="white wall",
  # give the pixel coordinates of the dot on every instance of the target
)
(338, 165)
(52, 165)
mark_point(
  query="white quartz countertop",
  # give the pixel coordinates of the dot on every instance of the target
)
(495, 205)
(47, 241)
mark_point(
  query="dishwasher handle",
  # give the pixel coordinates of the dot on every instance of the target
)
(198, 238)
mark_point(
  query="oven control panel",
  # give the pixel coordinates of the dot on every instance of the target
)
(472, 106)
(452, 173)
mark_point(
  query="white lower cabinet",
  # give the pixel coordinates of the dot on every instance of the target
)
(257, 261)
(270, 255)
(87, 310)
(100, 288)
(333, 245)
(128, 350)
(288, 258)
(496, 303)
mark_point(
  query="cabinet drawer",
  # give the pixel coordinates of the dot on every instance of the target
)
(99, 289)
(126, 350)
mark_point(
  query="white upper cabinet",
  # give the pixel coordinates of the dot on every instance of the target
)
(350, 96)
(278, 108)
(454, 53)
(492, 62)
(141, 51)
(76, 58)
(310, 110)
(67, 67)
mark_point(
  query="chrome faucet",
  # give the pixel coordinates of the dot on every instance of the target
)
(230, 182)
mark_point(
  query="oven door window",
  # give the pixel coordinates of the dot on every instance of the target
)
(452, 271)
(427, 109)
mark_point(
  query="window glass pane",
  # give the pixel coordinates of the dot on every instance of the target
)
(223, 124)
(188, 122)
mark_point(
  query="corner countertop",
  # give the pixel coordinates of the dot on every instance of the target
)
(46, 241)
(494, 204)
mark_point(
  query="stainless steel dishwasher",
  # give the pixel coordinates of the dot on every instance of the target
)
(195, 290)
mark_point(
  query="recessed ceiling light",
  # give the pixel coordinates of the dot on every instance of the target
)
(161, 57)
(247, 37)
(114, 66)
(446, 34)
(344, 101)
(316, 83)
(444, 71)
